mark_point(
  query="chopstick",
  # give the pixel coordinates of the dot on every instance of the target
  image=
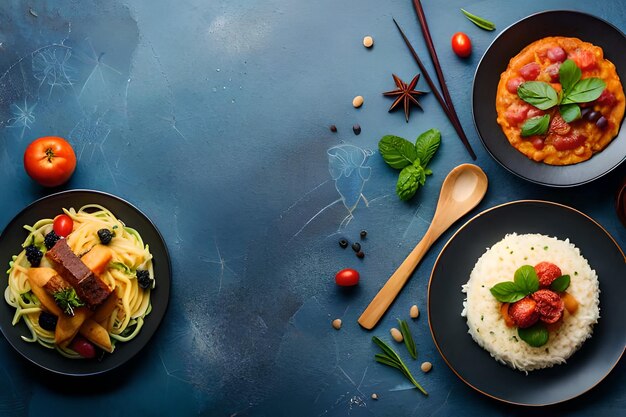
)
(454, 120)
(442, 82)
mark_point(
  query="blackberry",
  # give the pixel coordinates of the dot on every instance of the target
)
(51, 239)
(34, 255)
(105, 236)
(47, 321)
(143, 278)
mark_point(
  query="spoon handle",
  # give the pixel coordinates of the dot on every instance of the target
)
(381, 302)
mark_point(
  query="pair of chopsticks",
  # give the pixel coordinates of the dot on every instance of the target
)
(446, 100)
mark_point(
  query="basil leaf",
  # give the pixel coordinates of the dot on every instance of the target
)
(427, 144)
(539, 94)
(570, 112)
(535, 336)
(396, 151)
(409, 180)
(584, 91)
(507, 292)
(569, 74)
(536, 125)
(560, 284)
(526, 279)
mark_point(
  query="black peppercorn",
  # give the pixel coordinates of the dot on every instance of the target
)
(363, 233)
(343, 243)
(333, 128)
(356, 246)
(360, 254)
(356, 129)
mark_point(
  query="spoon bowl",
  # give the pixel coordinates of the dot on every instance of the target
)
(461, 191)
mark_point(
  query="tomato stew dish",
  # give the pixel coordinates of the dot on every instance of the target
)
(560, 101)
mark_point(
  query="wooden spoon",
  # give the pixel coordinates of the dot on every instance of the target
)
(464, 187)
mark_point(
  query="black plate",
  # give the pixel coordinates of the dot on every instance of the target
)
(586, 367)
(508, 44)
(48, 207)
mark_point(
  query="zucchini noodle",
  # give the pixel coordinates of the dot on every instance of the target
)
(129, 254)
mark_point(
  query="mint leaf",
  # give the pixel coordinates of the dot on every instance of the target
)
(427, 144)
(396, 151)
(536, 125)
(569, 74)
(560, 284)
(409, 180)
(570, 112)
(526, 279)
(539, 94)
(535, 336)
(507, 292)
(584, 91)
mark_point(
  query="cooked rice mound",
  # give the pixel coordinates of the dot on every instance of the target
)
(498, 264)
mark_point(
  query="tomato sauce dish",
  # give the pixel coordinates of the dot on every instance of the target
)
(560, 101)
(548, 101)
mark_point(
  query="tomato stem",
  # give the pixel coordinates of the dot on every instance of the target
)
(49, 154)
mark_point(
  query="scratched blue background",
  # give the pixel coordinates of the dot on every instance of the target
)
(213, 118)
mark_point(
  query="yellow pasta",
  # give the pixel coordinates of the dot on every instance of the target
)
(129, 254)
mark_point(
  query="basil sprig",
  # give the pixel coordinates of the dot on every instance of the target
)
(574, 91)
(536, 125)
(539, 94)
(561, 283)
(411, 159)
(525, 282)
(535, 335)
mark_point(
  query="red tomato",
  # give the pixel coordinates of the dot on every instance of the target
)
(547, 272)
(556, 54)
(564, 143)
(63, 225)
(461, 44)
(50, 161)
(513, 84)
(530, 71)
(347, 277)
(83, 347)
(585, 59)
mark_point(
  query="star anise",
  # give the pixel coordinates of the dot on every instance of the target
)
(405, 93)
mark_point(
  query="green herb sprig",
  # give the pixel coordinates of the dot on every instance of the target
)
(408, 338)
(390, 358)
(411, 159)
(479, 21)
(67, 300)
(575, 90)
(525, 282)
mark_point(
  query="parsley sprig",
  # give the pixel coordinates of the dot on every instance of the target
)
(67, 300)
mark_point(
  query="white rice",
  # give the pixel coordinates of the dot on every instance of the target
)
(485, 323)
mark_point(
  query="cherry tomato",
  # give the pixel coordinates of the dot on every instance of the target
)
(461, 44)
(83, 347)
(347, 277)
(50, 161)
(63, 225)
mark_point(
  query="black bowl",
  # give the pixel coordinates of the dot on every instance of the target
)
(47, 207)
(495, 61)
(585, 368)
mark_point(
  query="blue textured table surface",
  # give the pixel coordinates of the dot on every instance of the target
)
(212, 118)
